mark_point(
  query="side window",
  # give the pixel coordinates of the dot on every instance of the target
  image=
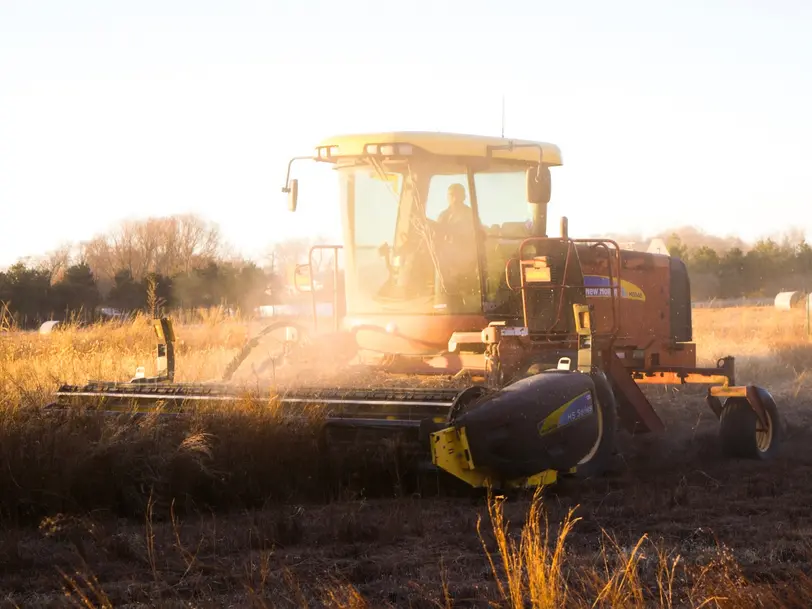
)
(501, 198)
(376, 207)
(504, 214)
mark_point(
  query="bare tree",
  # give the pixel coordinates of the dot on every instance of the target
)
(57, 261)
(98, 255)
(196, 241)
(285, 254)
(156, 245)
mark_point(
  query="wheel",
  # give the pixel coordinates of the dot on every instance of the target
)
(467, 397)
(597, 460)
(741, 433)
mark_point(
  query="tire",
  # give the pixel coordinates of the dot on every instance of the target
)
(739, 434)
(465, 399)
(599, 458)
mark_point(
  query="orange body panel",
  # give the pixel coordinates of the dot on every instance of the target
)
(645, 313)
(644, 304)
(640, 316)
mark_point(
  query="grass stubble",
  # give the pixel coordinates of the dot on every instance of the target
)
(242, 508)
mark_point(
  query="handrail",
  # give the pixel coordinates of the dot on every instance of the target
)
(615, 285)
(336, 276)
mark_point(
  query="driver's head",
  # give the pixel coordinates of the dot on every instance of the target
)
(456, 195)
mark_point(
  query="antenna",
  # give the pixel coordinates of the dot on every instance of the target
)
(503, 115)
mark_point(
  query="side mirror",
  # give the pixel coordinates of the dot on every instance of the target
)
(538, 185)
(301, 277)
(293, 194)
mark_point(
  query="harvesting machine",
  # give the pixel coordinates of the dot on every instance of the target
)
(448, 268)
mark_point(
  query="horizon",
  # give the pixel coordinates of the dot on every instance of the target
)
(636, 241)
(109, 114)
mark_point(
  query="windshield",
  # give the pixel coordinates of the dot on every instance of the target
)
(506, 219)
(416, 247)
(413, 238)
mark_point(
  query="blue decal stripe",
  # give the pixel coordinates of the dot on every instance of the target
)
(599, 286)
(580, 407)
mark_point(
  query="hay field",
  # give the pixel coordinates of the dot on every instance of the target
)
(238, 510)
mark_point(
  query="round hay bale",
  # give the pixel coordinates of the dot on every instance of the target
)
(785, 301)
(48, 327)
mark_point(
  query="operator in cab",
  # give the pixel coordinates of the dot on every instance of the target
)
(457, 219)
(456, 236)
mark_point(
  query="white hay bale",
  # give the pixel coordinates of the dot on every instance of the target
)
(48, 327)
(785, 301)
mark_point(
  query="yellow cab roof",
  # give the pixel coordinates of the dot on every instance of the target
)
(449, 144)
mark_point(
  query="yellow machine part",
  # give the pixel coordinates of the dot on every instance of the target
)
(449, 446)
(164, 330)
(450, 452)
(445, 144)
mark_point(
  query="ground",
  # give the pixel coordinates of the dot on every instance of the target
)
(227, 511)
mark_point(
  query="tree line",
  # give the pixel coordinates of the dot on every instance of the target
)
(28, 296)
(761, 271)
(181, 262)
(153, 265)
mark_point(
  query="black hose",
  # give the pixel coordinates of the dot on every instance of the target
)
(251, 345)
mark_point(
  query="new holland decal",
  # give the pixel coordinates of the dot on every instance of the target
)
(597, 286)
(577, 408)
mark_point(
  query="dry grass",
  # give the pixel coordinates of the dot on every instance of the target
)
(535, 571)
(34, 365)
(75, 474)
(291, 558)
(770, 346)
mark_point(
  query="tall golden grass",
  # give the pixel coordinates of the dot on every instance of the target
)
(71, 449)
(33, 365)
(532, 568)
(248, 456)
(770, 347)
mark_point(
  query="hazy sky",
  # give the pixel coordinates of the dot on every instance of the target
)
(667, 113)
